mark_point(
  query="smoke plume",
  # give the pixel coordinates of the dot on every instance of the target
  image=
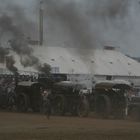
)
(10, 64)
(3, 51)
(78, 23)
(86, 23)
(45, 68)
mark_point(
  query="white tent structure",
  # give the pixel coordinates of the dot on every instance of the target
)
(107, 63)
(79, 64)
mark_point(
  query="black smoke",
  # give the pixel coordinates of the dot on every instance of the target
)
(3, 51)
(19, 44)
(79, 23)
(45, 68)
(10, 64)
(83, 23)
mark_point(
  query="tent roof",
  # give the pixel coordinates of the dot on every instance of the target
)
(91, 61)
(82, 61)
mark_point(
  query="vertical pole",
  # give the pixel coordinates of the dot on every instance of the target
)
(41, 23)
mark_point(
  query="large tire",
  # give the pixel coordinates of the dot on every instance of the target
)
(36, 104)
(58, 105)
(11, 100)
(119, 112)
(103, 106)
(83, 108)
(22, 102)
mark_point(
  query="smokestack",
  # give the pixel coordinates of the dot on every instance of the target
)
(41, 23)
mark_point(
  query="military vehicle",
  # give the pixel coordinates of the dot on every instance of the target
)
(68, 98)
(7, 95)
(108, 98)
(111, 98)
(29, 95)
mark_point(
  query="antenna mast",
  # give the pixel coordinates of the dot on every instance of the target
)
(41, 12)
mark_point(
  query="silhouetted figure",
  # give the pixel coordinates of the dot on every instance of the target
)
(47, 103)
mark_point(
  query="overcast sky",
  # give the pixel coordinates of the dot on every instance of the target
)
(80, 23)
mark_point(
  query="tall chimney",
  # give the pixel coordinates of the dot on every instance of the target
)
(41, 23)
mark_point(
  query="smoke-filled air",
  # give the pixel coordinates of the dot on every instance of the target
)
(72, 23)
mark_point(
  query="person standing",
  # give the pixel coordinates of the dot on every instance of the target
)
(47, 103)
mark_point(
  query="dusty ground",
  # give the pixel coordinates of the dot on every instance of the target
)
(19, 126)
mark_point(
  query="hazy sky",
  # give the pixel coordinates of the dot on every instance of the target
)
(80, 23)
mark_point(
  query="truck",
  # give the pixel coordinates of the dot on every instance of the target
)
(28, 96)
(111, 98)
(66, 97)
(7, 94)
(108, 99)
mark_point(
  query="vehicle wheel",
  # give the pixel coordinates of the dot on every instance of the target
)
(103, 106)
(58, 105)
(119, 112)
(11, 101)
(83, 108)
(22, 102)
(36, 104)
(134, 114)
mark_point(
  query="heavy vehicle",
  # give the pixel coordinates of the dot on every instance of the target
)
(65, 97)
(111, 98)
(108, 98)
(68, 98)
(7, 95)
(29, 95)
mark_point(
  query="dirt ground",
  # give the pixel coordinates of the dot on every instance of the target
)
(20, 126)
